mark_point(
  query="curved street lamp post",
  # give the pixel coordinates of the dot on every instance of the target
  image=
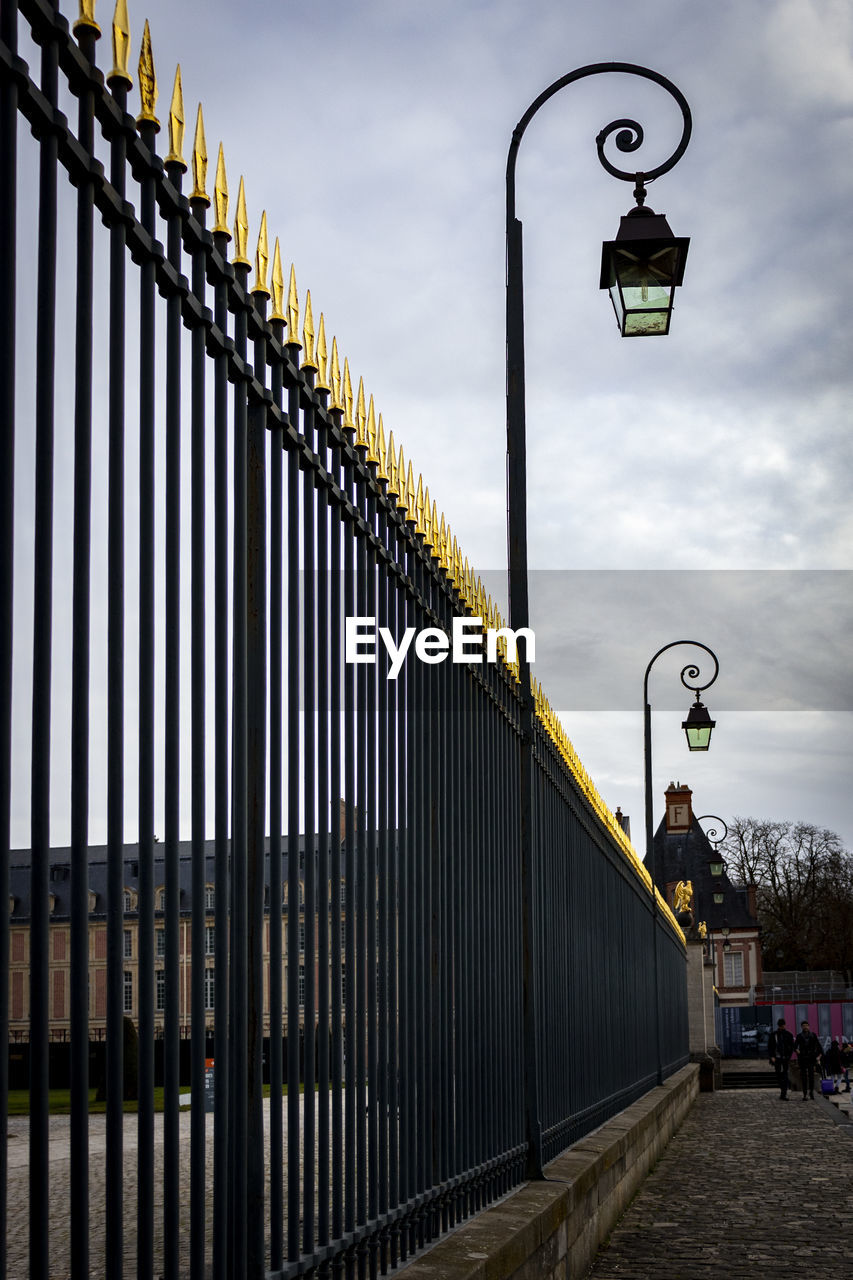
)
(641, 268)
(696, 741)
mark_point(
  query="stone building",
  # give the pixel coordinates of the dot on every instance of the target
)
(683, 852)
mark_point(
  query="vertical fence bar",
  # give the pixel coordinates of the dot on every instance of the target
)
(39, 1188)
(309, 712)
(87, 33)
(8, 295)
(293, 769)
(172, 753)
(238, 1010)
(256, 652)
(221, 789)
(350, 979)
(383, 1079)
(276, 900)
(368, 867)
(145, 903)
(115, 708)
(198, 872)
(325, 897)
(336, 793)
(357, 1009)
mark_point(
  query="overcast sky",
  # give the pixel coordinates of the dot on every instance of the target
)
(375, 133)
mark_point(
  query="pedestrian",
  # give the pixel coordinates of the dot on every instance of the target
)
(832, 1062)
(808, 1051)
(846, 1063)
(781, 1047)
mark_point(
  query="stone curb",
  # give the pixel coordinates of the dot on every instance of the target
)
(553, 1228)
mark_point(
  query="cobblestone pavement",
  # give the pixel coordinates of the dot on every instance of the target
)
(58, 1226)
(745, 1175)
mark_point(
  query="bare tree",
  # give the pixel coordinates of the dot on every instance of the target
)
(804, 879)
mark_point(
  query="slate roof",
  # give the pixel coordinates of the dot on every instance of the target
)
(687, 856)
(60, 875)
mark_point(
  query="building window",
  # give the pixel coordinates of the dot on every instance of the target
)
(159, 990)
(209, 939)
(160, 939)
(301, 986)
(209, 986)
(343, 986)
(733, 968)
(161, 899)
(127, 900)
(209, 897)
(301, 937)
(128, 944)
(128, 991)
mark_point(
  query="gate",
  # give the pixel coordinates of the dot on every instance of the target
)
(196, 504)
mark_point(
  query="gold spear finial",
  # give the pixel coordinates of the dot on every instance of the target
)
(393, 482)
(433, 532)
(220, 196)
(309, 362)
(241, 229)
(148, 92)
(402, 494)
(292, 338)
(277, 312)
(199, 191)
(262, 259)
(419, 505)
(372, 455)
(121, 45)
(411, 514)
(427, 518)
(86, 18)
(360, 417)
(336, 402)
(176, 123)
(322, 357)
(381, 451)
(349, 424)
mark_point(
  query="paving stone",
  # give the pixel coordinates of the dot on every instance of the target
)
(744, 1175)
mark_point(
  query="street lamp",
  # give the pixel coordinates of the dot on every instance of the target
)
(644, 272)
(716, 865)
(698, 726)
(689, 675)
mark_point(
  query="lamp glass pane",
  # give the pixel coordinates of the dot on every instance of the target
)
(698, 737)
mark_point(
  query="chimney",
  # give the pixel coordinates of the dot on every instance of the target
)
(679, 809)
(624, 821)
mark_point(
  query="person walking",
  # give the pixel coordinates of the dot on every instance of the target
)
(808, 1051)
(780, 1047)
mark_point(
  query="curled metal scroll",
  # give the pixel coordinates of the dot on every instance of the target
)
(691, 673)
(711, 833)
(629, 133)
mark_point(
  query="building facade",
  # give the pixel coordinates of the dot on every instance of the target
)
(733, 945)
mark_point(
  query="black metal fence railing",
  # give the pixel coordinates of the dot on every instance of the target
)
(230, 843)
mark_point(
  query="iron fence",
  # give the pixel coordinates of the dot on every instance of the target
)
(199, 503)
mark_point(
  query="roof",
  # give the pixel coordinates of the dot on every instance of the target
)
(687, 855)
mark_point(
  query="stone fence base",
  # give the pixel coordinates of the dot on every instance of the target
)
(551, 1230)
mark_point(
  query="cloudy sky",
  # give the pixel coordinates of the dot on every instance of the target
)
(693, 486)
